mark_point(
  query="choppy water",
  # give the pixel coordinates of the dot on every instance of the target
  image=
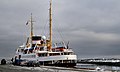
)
(80, 68)
(110, 68)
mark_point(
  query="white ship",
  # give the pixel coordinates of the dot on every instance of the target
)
(41, 49)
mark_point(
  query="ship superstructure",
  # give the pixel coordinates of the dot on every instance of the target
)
(41, 49)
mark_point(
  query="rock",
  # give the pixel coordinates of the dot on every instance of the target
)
(3, 62)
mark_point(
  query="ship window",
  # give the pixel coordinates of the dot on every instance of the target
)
(65, 53)
(25, 51)
(33, 45)
(42, 54)
(36, 38)
(61, 53)
(54, 54)
(41, 48)
(18, 50)
(68, 53)
(22, 50)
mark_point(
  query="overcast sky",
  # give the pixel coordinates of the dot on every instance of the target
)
(91, 26)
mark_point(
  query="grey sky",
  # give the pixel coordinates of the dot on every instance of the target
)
(91, 26)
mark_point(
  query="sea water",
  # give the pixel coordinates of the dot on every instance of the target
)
(11, 68)
(79, 68)
(94, 66)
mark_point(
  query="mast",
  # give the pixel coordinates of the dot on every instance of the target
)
(31, 33)
(50, 24)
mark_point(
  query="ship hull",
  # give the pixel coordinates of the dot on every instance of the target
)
(64, 63)
(67, 63)
(60, 60)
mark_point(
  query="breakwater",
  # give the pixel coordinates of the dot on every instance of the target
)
(101, 61)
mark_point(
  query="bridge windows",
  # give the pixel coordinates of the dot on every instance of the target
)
(42, 54)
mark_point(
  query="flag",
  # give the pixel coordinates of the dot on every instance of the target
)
(27, 23)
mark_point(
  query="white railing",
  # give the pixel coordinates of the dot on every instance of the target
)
(68, 50)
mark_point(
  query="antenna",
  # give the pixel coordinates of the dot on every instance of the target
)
(68, 44)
